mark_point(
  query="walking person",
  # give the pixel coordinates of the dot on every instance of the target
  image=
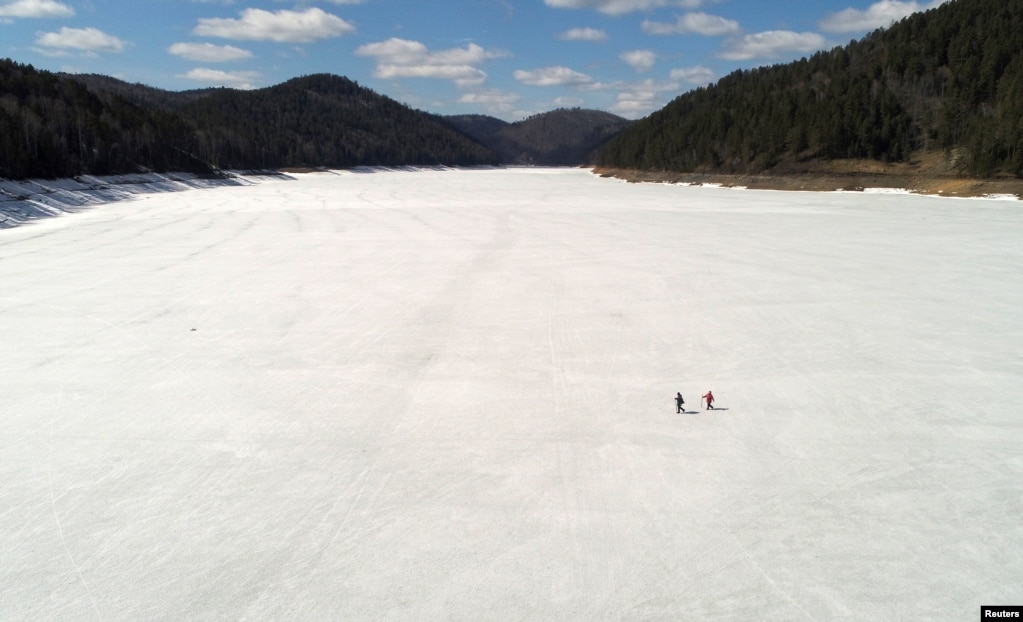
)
(710, 400)
(679, 408)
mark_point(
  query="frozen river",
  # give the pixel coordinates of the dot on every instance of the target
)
(448, 395)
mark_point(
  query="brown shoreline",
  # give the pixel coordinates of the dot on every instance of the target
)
(829, 181)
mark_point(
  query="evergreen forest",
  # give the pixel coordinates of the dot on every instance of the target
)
(57, 125)
(949, 80)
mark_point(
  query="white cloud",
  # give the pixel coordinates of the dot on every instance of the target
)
(569, 102)
(584, 34)
(694, 75)
(490, 97)
(693, 23)
(209, 53)
(621, 7)
(633, 105)
(234, 79)
(404, 52)
(79, 39)
(771, 44)
(494, 101)
(401, 58)
(553, 76)
(641, 98)
(35, 8)
(640, 60)
(464, 75)
(878, 15)
(282, 26)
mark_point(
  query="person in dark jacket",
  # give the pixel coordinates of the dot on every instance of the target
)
(679, 402)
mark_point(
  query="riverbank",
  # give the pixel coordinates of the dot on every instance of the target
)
(931, 176)
(30, 199)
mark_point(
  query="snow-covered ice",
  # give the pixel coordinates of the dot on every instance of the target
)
(448, 395)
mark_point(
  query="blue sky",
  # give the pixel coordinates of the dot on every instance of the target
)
(505, 58)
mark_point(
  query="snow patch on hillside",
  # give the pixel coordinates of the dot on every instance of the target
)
(31, 199)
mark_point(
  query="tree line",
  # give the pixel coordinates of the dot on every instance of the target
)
(54, 127)
(58, 125)
(948, 79)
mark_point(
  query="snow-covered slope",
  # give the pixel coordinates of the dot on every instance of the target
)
(24, 200)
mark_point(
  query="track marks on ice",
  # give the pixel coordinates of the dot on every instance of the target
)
(60, 527)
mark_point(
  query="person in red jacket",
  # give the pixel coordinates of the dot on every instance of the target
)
(710, 400)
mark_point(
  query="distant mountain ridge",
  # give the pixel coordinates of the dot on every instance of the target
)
(562, 137)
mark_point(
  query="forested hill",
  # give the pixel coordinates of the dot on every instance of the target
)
(562, 137)
(140, 94)
(948, 80)
(51, 126)
(323, 120)
(57, 125)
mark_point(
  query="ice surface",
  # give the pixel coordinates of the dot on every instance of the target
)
(448, 395)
